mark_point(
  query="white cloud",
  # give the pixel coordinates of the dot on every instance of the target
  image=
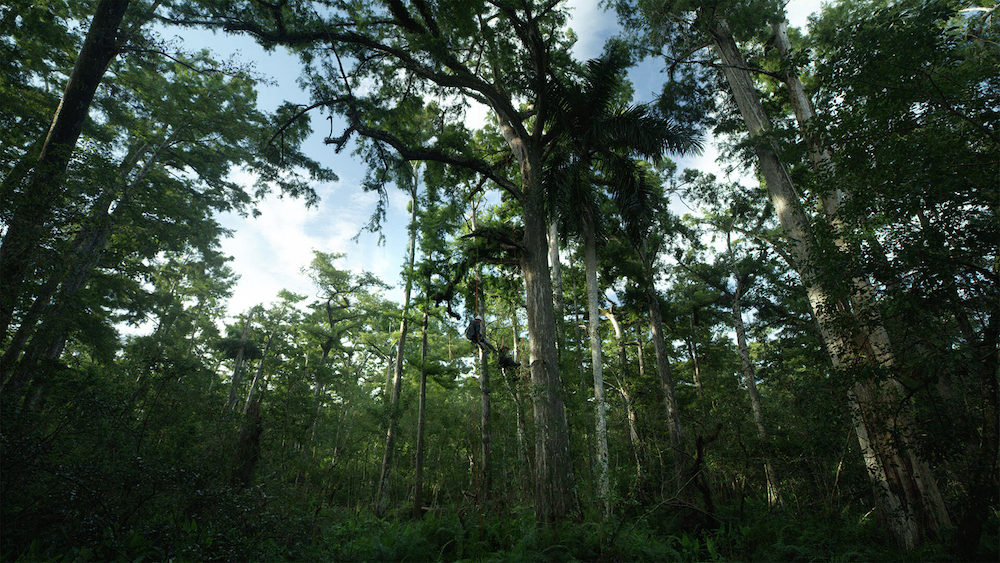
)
(271, 251)
(593, 25)
(476, 115)
(798, 11)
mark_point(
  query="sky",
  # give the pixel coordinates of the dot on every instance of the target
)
(271, 252)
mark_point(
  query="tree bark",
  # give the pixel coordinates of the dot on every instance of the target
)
(485, 481)
(692, 347)
(30, 221)
(596, 362)
(553, 468)
(237, 376)
(667, 386)
(557, 287)
(260, 372)
(418, 470)
(909, 502)
(633, 427)
(750, 380)
(382, 495)
(524, 462)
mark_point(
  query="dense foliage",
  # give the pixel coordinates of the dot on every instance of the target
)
(706, 369)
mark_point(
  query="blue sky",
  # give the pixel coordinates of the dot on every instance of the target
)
(269, 252)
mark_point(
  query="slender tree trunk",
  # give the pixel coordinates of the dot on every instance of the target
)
(750, 380)
(667, 386)
(237, 374)
(88, 246)
(557, 285)
(418, 470)
(633, 427)
(640, 355)
(485, 469)
(260, 372)
(382, 495)
(30, 221)
(525, 472)
(909, 502)
(692, 347)
(596, 361)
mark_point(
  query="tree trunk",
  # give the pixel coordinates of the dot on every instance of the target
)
(692, 347)
(237, 375)
(640, 355)
(909, 502)
(667, 386)
(750, 380)
(382, 495)
(594, 328)
(485, 469)
(553, 468)
(557, 285)
(633, 427)
(418, 470)
(523, 461)
(29, 222)
(260, 372)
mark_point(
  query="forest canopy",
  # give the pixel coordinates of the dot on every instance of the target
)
(796, 359)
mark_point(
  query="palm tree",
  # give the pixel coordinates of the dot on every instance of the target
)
(601, 140)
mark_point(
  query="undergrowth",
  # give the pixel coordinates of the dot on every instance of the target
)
(256, 530)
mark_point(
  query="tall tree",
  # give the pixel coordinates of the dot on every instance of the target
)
(30, 218)
(382, 494)
(499, 54)
(602, 135)
(907, 495)
(162, 115)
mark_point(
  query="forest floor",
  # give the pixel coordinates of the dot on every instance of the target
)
(753, 533)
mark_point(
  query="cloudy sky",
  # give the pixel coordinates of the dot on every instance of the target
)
(270, 252)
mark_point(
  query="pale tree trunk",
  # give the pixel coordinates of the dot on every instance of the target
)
(385, 473)
(750, 380)
(633, 426)
(418, 470)
(833, 198)
(909, 502)
(259, 374)
(88, 246)
(485, 482)
(557, 287)
(524, 463)
(237, 378)
(664, 372)
(640, 355)
(693, 354)
(553, 468)
(30, 220)
(920, 486)
(596, 361)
